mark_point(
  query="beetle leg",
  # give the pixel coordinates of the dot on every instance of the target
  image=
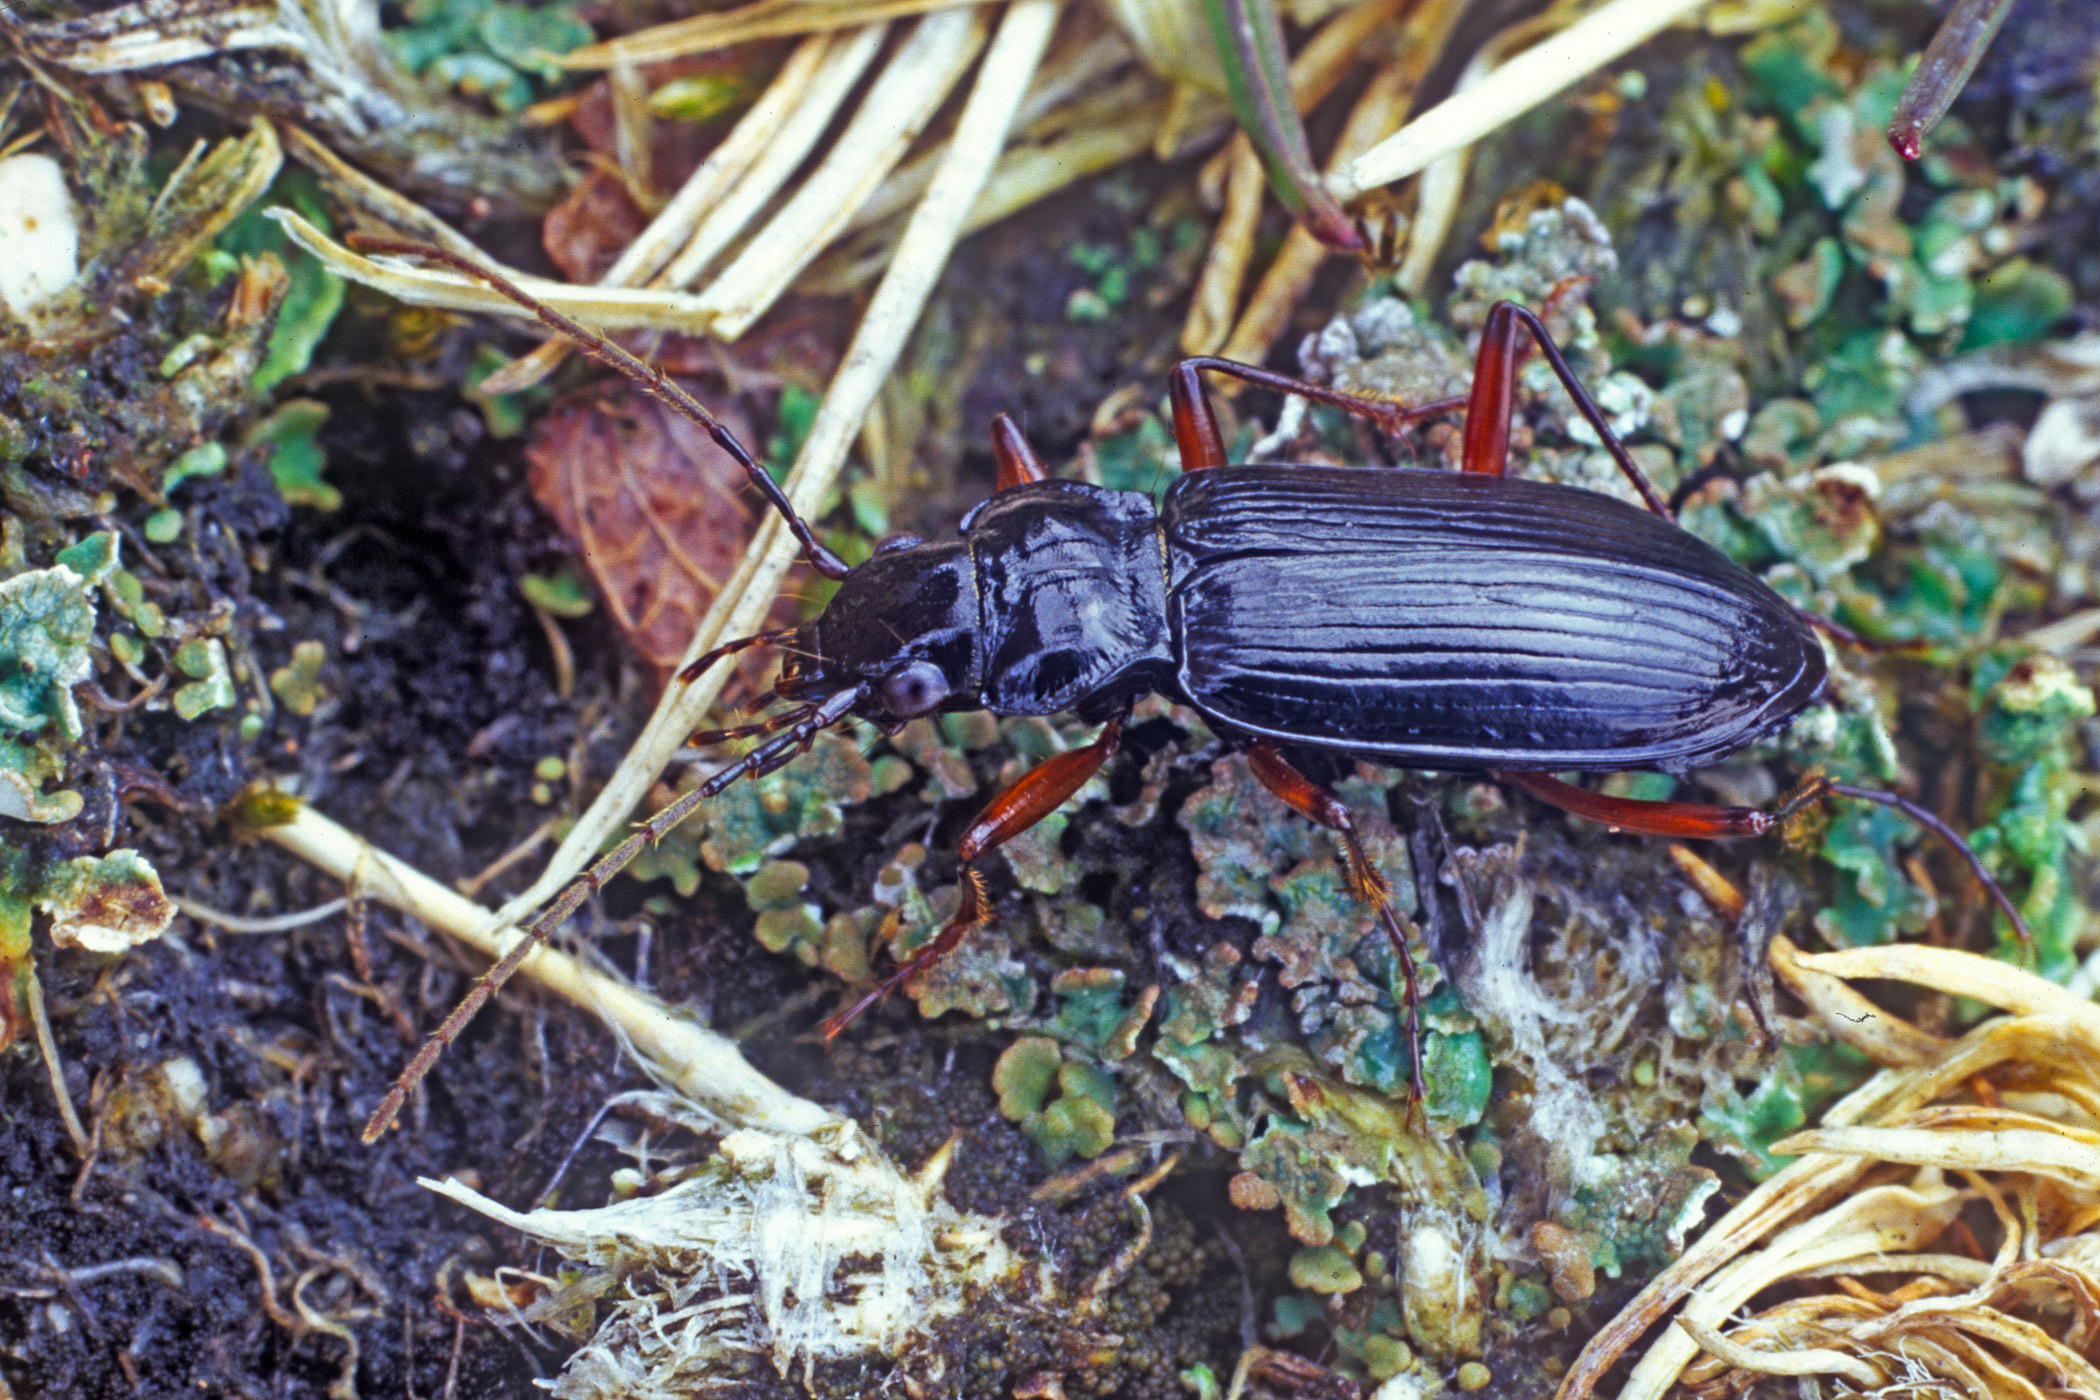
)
(1196, 427)
(1042, 791)
(1196, 434)
(1018, 464)
(1321, 807)
(1493, 400)
(1698, 821)
(1705, 821)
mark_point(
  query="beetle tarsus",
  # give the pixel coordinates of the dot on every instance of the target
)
(1705, 821)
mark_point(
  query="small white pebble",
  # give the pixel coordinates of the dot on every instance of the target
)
(39, 233)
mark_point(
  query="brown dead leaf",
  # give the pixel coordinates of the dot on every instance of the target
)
(660, 514)
(592, 226)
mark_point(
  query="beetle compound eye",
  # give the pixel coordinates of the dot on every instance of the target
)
(915, 689)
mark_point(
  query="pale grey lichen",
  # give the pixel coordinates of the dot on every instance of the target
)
(801, 1249)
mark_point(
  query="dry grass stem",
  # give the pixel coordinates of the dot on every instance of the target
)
(2065, 634)
(1217, 294)
(798, 1207)
(703, 191)
(704, 1066)
(604, 308)
(1081, 97)
(1174, 38)
(1887, 1040)
(767, 19)
(364, 195)
(1525, 81)
(1964, 974)
(1024, 176)
(845, 60)
(2007, 1116)
(1443, 182)
(910, 88)
(1813, 1361)
(148, 35)
(47, 1046)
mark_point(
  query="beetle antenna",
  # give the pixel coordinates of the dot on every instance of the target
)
(647, 377)
(1948, 834)
(773, 754)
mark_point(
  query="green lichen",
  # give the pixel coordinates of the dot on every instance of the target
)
(2030, 709)
(105, 903)
(786, 923)
(297, 684)
(1024, 1075)
(203, 659)
(487, 50)
(102, 904)
(766, 816)
(1079, 1122)
(1325, 1269)
(292, 432)
(47, 620)
(1095, 1014)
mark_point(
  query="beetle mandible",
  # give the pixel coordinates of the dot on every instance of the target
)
(1463, 621)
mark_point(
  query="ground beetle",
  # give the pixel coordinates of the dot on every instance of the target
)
(1456, 621)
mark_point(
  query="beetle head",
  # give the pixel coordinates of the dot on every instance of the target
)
(902, 628)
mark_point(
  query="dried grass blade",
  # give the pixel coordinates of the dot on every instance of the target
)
(705, 1066)
(1807, 1361)
(378, 202)
(2017, 1143)
(1443, 182)
(1964, 974)
(844, 64)
(750, 140)
(606, 308)
(138, 36)
(1525, 81)
(1882, 1220)
(1886, 1039)
(911, 87)
(767, 19)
